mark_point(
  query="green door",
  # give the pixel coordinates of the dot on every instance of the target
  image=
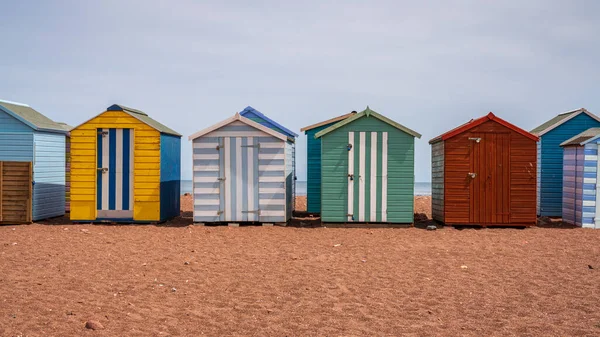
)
(367, 176)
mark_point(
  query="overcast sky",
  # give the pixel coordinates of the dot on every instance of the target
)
(430, 65)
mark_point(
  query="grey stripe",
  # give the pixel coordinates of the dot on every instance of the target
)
(206, 151)
(236, 128)
(271, 185)
(269, 196)
(206, 208)
(206, 219)
(272, 207)
(206, 140)
(270, 174)
(233, 178)
(221, 163)
(268, 140)
(271, 162)
(198, 196)
(207, 185)
(272, 151)
(204, 162)
(214, 174)
(272, 218)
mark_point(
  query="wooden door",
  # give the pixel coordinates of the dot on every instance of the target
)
(489, 178)
(115, 174)
(15, 192)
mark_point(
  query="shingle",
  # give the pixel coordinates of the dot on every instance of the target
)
(553, 121)
(27, 113)
(582, 137)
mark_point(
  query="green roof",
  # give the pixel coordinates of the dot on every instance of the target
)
(144, 118)
(367, 113)
(558, 120)
(582, 138)
(31, 117)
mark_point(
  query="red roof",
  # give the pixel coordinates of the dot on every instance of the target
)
(475, 122)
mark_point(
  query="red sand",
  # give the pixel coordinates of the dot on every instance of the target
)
(134, 280)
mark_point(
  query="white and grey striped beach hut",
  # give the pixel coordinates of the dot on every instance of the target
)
(243, 172)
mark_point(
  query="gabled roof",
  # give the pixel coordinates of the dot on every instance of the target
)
(30, 117)
(335, 119)
(583, 138)
(560, 119)
(238, 117)
(144, 118)
(476, 122)
(367, 113)
(250, 110)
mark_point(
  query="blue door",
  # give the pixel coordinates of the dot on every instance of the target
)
(114, 189)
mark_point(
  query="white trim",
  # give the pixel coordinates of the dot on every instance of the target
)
(213, 214)
(373, 183)
(238, 117)
(238, 179)
(227, 176)
(562, 121)
(263, 168)
(384, 175)
(272, 190)
(206, 168)
(590, 157)
(206, 190)
(216, 134)
(269, 202)
(211, 202)
(272, 145)
(589, 180)
(350, 173)
(211, 156)
(105, 164)
(361, 177)
(119, 169)
(271, 156)
(205, 145)
(272, 213)
(250, 182)
(280, 179)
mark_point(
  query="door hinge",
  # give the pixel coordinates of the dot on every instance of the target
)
(220, 212)
(257, 211)
(475, 139)
(103, 133)
(221, 179)
(256, 146)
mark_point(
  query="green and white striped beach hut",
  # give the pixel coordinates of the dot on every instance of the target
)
(367, 170)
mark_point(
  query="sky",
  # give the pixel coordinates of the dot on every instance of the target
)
(429, 65)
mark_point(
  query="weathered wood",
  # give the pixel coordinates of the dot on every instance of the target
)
(16, 192)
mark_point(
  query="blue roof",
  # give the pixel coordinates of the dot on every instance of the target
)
(250, 112)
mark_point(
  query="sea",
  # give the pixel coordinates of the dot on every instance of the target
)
(421, 188)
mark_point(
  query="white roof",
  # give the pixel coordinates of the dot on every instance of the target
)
(238, 117)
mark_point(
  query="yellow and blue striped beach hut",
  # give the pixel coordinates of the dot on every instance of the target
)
(125, 167)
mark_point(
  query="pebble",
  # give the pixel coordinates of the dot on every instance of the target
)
(94, 325)
(186, 263)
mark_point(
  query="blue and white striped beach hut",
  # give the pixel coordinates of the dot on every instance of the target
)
(580, 196)
(243, 172)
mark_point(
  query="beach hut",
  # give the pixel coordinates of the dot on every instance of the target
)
(243, 172)
(313, 161)
(32, 165)
(550, 155)
(125, 167)
(484, 173)
(367, 170)
(580, 179)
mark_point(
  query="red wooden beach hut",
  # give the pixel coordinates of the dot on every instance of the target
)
(484, 173)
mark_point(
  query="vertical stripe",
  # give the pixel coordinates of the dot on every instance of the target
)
(356, 173)
(367, 176)
(233, 176)
(361, 183)
(350, 174)
(112, 143)
(119, 170)
(105, 164)
(255, 142)
(245, 180)
(250, 181)
(373, 184)
(227, 169)
(222, 183)
(239, 181)
(596, 219)
(131, 167)
(384, 177)
(379, 179)
(99, 154)
(126, 169)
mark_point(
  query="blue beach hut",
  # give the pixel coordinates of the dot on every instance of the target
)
(32, 160)
(580, 195)
(550, 156)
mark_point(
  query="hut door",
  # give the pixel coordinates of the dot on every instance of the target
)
(239, 179)
(115, 174)
(489, 177)
(15, 192)
(367, 176)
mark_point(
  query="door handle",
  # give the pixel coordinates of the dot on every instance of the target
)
(472, 175)
(103, 169)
